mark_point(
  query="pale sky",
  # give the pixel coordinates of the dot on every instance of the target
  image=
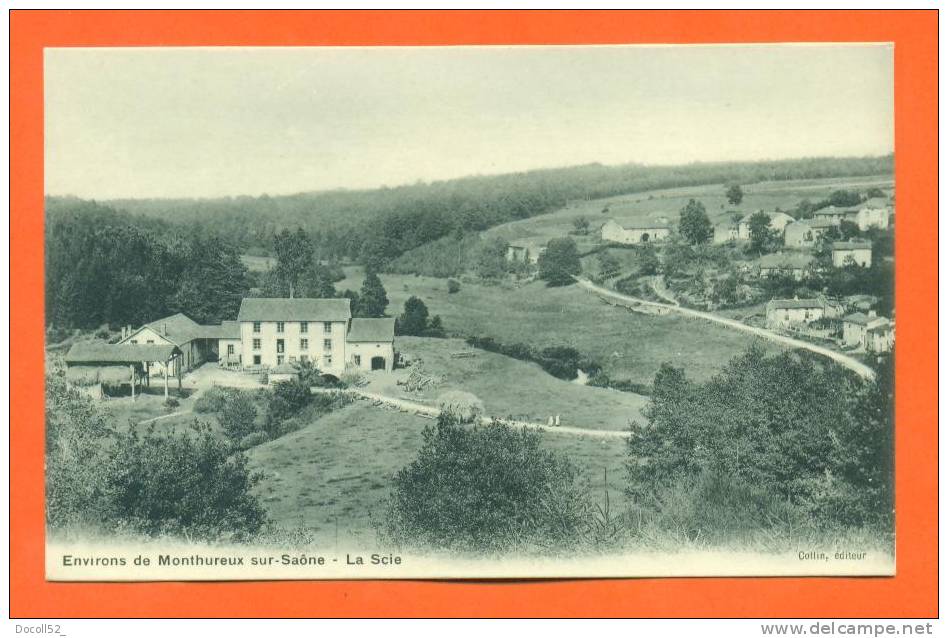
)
(246, 121)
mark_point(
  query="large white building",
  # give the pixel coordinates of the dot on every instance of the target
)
(277, 331)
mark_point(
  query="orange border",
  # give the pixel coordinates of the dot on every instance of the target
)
(913, 592)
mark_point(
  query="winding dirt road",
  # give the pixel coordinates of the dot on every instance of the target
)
(424, 409)
(856, 366)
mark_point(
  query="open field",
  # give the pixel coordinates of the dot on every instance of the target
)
(651, 205)
(628, 345)
(338, 470)
(509, 387)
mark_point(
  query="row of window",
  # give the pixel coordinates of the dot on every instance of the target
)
(304, 344)
(304, 326)
(327, 359)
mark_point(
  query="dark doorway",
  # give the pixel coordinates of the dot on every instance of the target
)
(378, 363)
(644, 238)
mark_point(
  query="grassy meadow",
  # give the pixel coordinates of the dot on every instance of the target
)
(509, 387)
(628, 345)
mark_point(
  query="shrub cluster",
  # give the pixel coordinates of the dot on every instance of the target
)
(485, 488)
(560, 361)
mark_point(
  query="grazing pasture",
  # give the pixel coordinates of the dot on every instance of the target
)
(508, 387)
(627, 345)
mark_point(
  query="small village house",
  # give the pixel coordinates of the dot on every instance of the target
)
(868, 332)
(518, 254)
(835, 214)
(198, 343)
(97, 366)
(724, 233)
(799, 235)
(792, 263)
(821, 225)
(857, 252)
(874, 213)
(788, 313)
(282, 373)
(637, 233)
(778, 221)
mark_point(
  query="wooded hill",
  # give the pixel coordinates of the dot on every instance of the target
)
(378, 225)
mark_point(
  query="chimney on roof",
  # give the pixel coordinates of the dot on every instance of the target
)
(164, 330)
(124, 332)
(796, 297)
(872, 313)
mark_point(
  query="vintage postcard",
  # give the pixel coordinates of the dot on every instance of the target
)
(469, 312)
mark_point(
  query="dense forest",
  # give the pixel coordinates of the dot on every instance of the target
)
(103, 266)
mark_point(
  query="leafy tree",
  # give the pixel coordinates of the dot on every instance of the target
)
(294, 254)
(844, 198)
(355, 302)
(78, 457)
(372, 299)
(317, 282)
(581, 225)
(559, 262)
(190, 483)
(735, 195)
(287, 399)
(237, 415)
(453, 286)
(486, 488)
(694, 224)
(608, 265)
(414, 318)
(647, 260)
(762, 236)
(492, 259)
(848, 229)
(435, 327)
(789, 428)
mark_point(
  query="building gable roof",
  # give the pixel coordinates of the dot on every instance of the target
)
(178, 329)
(102, 352)
(299, 309)
(790, 304)
(362, 329)
(852, 245)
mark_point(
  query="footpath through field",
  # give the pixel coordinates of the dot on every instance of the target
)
(856, 366)
(431, 411)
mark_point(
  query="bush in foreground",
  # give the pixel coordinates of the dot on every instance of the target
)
(189, 484)
(485, 489)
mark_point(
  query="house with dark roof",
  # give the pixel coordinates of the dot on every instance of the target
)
(794, 264)
(198, 343)
(857, 252)
(868, 331)
(370, 344)
(785, 313)
(635, 233)
(96, 365)
(778, 221)
(274, 331)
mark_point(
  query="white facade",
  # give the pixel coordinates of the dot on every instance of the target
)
(862, 256)
(870, 217)
(778, 221)
(612, 231)
(266, 344)
(368, 356)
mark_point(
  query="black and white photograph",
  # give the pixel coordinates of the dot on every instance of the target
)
(469, 312)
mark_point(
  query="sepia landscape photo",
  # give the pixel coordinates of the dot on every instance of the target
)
(469, 312)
